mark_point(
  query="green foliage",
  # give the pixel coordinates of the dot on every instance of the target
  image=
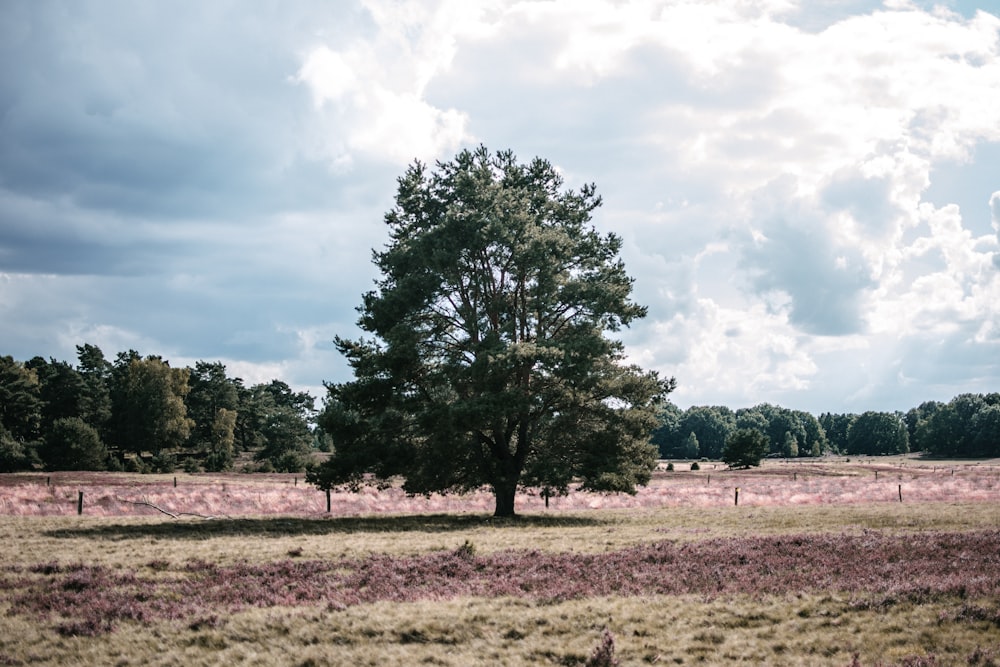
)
(143, 405)
(745, 448)
(73, 444)
(279, 419)
(212, 404)
(790, 432)
(967, 426)
(148, 404)
(711, 426)
(61, 390)
(20, 401)
(691, 447)
(837, 426)
(488, 362)
(877, 433)
(218, 447)
(790, 448)
(95, 404)
(163, 462)
(13, 455)
(916, 420)
(665, 434)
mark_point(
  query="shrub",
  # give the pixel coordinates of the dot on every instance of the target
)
(670, 467)
(135, 464)
(745, 448)
(467, 551)
(164, 463)
(73, 444)
(695, 466)
(604, 653)
(13, 455)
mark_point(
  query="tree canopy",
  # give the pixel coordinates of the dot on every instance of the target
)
(141, 413)
(745, 448)
(488, 361)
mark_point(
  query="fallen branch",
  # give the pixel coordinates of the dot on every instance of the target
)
(175, 515)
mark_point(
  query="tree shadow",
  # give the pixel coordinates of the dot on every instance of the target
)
(205, 529)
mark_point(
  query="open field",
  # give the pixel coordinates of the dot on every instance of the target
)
(819, 564)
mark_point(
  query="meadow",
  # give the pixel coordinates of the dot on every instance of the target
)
(889, 561)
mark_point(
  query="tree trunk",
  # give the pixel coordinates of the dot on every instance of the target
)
(505, 499)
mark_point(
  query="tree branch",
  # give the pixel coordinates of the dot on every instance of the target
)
(175, 515)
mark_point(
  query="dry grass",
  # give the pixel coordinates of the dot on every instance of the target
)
(812, 627)
(124, 541)
(809, 629)
(777, 483)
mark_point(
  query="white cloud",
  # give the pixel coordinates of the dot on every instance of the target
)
(766, 161)
(730, 356)
(995, 220)
(848, 124)
(371, 93)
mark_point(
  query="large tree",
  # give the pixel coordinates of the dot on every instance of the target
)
(212, 403)
(878, 433)
(149, 410)
(96, 372)
(745, 448)
(20, 406)
(489, 361)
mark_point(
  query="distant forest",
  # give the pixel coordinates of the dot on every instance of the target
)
(140, 414)
(137, 413)
(968, 426)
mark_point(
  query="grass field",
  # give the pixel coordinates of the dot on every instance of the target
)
(818, 564)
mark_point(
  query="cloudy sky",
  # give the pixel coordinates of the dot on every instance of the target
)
(808, 190)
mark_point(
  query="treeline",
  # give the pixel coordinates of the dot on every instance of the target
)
(968, 426)
(138, 413)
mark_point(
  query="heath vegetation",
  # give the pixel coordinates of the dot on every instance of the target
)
(818, 565)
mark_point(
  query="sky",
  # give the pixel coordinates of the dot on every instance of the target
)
(808, 191)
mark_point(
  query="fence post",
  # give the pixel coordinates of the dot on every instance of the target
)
(737, 499)
(175, 482)
(79, 503)
(900, 493)
(328, 501)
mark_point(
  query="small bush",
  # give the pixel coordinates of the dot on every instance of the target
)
(670, 467)
(604, 653)
(467, 551)
(695, 466)
(164, 463)
(135, 464)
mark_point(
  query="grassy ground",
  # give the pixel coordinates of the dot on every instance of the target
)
(811, 626)
(124, 541)
(811, 629)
